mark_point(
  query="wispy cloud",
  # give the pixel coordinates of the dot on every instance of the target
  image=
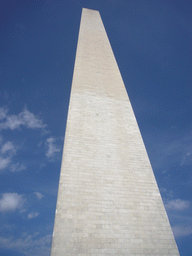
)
(32, 215)
(9, 148)
(17, 167)
(11, 202)
(7, 152)
(30, 245)
(3, 113)
(182, 230)
(4, 162)
(25, 118)
(169, 149)
(39, 195)
(177, 204)
(167, 194)
(52, 148)
(178, 210)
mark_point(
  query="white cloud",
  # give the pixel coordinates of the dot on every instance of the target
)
(12, 122)
(186, 158)
(168, 150)
(177, 204)
(4, 162)
(167, 194)
(30, 245)
(42, 165)
(39, 195)
(3, 113)
(9, 148)
(52, 148)
(179, 231)
(30, 120)
(25, 118)
(11, 202)
(7, 151)
(32, 215)
(17, 167)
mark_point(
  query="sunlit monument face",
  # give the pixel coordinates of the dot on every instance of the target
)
(108, 200)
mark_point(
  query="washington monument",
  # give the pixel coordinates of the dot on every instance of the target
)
(108, 199)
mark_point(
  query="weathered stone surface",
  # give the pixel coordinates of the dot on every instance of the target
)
(108, 200)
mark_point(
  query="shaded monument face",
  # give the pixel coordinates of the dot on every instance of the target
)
(108, 200)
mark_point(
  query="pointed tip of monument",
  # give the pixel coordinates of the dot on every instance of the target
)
(88, 9)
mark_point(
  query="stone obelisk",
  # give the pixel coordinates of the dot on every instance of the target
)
(108, 200)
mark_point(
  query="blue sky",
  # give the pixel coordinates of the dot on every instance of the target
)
(152, 42)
